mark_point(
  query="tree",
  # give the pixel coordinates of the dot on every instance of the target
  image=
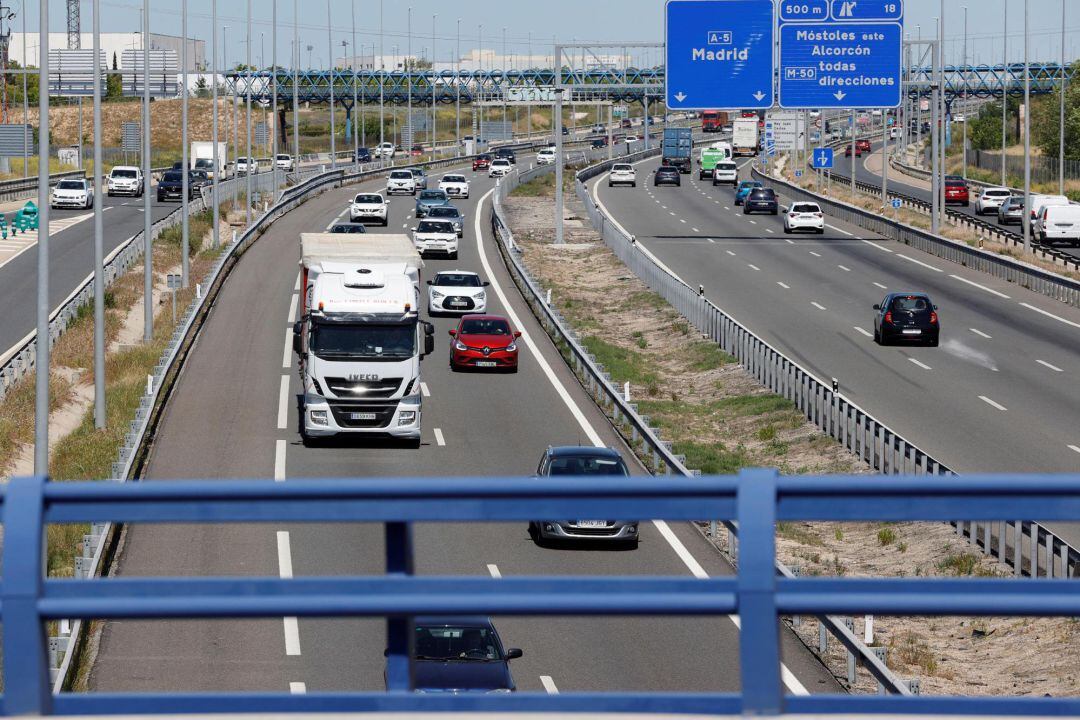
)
(984, 131)
(202, 88)
(114, 86)
(1046, 120)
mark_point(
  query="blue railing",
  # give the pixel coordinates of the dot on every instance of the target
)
(755, 499)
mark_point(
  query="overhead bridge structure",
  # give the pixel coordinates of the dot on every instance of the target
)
(629, 85)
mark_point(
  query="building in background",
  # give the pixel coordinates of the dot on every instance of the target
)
(114, 45)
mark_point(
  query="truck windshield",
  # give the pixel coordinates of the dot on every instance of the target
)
(335, 341)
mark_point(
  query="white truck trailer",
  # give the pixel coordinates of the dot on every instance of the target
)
(360, 338)
(744, 136)
(202, 158)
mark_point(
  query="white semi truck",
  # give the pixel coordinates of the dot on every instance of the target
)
(360, 338)
(744, 136)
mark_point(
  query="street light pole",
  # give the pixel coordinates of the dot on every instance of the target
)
(185, 184)
(148, 222)
(352, 66)
(964, 72)
(1061, 126)
(408, 79)
(1027, 137)
(41, 381)
(1006, 77)
(433, 116)
(382, 78)
(330, 50)
(247, 103)
(296, 82)
(457, 85)
(99, 235)
(273, 90)
(218, 174)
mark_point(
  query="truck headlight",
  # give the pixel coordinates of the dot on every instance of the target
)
(406, 417)
(318, 417)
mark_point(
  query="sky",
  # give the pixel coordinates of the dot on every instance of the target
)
(569, 20)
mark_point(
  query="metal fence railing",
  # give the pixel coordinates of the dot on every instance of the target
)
(1043, 169)
(1030, 548)
(657, 454)
(755, 501)
(27, 188)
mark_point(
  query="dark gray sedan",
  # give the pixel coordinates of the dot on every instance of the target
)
(450, 213)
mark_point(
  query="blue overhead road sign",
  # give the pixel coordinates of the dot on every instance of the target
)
(823, 158)
(849, 60)
(719, 54)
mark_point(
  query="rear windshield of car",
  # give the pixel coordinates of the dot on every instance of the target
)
(622, 168)
(749, 184)
(70, 185)
(485, 326)
(762, 194)
(125, 173)
(432, 195)
(401, 175)
(955, 184)
(998, 193)
(912, 303)
(435, 227)
(284, 157)
(805, 208)
(726, 166)
(457, 280)
(368, 199)
(454, 178)
(586, 466)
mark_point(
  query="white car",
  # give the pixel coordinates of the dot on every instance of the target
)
(630, 139)
(245, 165)
(894, 133)
(804, 216)
(726, 172)
(622, 174)
(401, 182)
(546, 157)
(385, 150)
(457, 291)
(499, 167)
(285, 162)
(367, 207)
(125, 180)
(455, 186)
(990, 200)
(436, 237)
(72, 194)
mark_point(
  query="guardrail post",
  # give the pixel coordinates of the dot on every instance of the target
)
(399, 632)
(850, 623)
(1018, 547)
(27, 686)
(759, 645)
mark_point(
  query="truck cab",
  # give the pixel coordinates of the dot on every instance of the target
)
(360, 343)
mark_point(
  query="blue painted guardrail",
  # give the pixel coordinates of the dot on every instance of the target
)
(756, 499)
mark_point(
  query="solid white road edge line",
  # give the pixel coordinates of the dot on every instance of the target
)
(692, 564)
(862, 331)
(283, 404)
(296, 286)
(875, 245)
(292, 626)
(845, 232)
(920, 262)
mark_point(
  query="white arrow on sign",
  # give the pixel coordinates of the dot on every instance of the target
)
(680, 96)
(839, 95)
(759, 95)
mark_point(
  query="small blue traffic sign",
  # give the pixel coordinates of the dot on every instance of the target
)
(798, 173)
(719, 54)
(897, 202)
(823, 158)
(862, 10)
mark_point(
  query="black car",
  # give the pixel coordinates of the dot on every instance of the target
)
(363, 155)
(198, 179)
(506, 154)
(598, 143)
(565, 130)
(349, 228)
(171, 185)
(761, 200)
(667, 175)
(583, 462)
(906, 317)
(461, 655)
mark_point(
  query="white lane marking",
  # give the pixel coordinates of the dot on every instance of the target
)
(753, 222)
(815, 254)
(292, 307)
(981, 287)
(783, 285)
(286, 359)
(980, 333)
(296, 286)
(1050, 315)
(753, 267)
(725, 207)
(424, 390)
(665, 207)
(279, 460)
(923, 365)
(845, 269)
(285, 571)
(920, 262)
(991, 403)
(283, 404)
(297, 688)
(789, 241)
(1075, 448)
(883, 287)
(768, 230)
(730, 253)
(549, 685)
(867, 333)
(439, 439)
(682, 221)
(817, 305)
(876, 246)
(833, 227)
(712, 241)
(564, 395)
(494, 570)
(1055, 368)
(695, 229)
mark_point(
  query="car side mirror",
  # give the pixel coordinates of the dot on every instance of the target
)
(429, 338)
(935, 307)
(877, 306)
(517, 333)
(487, 284)
(428, 282)
(513, 653)
(452, 333)
(414, 229)
(298, 329)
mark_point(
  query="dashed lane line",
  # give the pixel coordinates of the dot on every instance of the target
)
(753, 267)
(845, 269)
(819, 306)
(549, 685)
(283, 404)
(863, 331)
(980, 333)
(439, 439)
(783, 285)
(424, 390)
(883, 287)
(279, 460)
(1050, 315)
(285, 570)
(494, 570)
(981, 287)
(1045, 364)
(297, 688)
(992, 404)
(917, 363)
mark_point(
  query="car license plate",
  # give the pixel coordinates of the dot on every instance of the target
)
(913, 332)
(362, 416)
(456, 303)
(591, 523)
(486, 363)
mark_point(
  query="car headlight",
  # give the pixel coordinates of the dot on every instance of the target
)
(480, 295)
(458, 345)
(512, 347)
(437, 295)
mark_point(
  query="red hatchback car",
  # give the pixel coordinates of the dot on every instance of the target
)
(862, 146)
(482, 162)
(956, 191)
(484, 341)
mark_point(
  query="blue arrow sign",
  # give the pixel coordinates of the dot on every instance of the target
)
(798, 173)
(823, 158)
(840, 64)
(719, 54)
(897, 202)
(868, 9)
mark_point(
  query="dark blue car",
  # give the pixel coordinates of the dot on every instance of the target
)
(461, 655)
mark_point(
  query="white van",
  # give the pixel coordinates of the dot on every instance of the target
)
(1038, 202)
(1058, 223)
